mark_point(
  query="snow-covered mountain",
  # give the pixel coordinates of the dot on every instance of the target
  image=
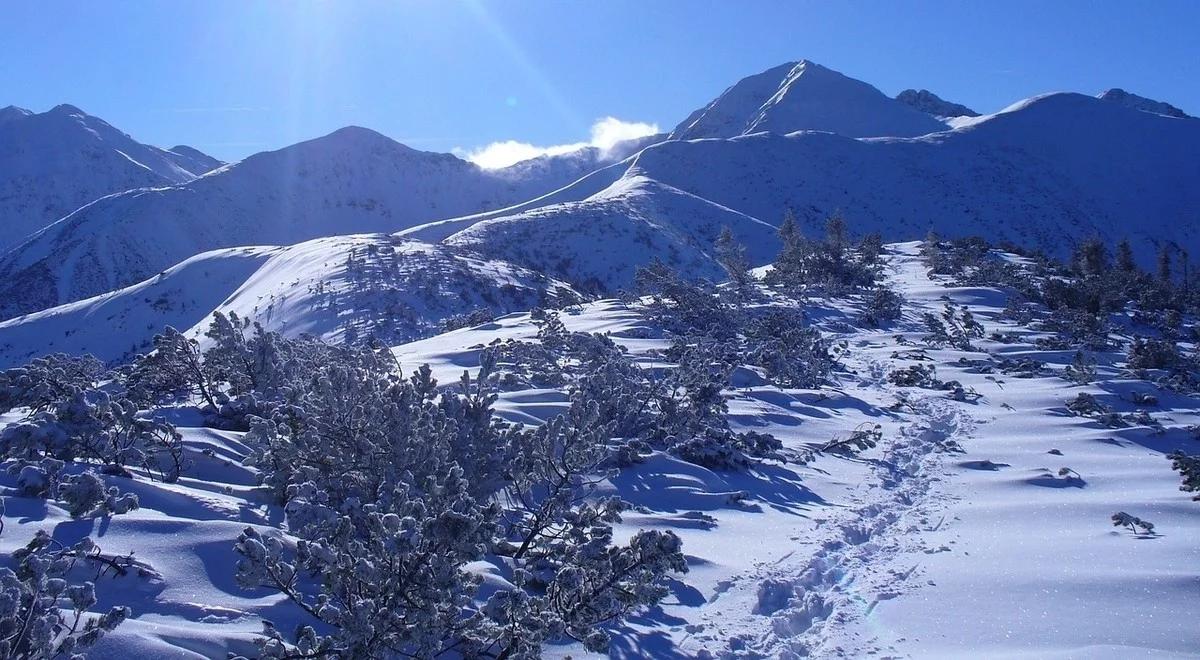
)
(597, 244)
(351, 181)
(804, 96)
(335, 288)
(52, 163)
(1129, 100)
(1044, 173)
(194, 159)
(930, 103)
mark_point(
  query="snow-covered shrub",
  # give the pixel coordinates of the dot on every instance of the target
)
(235, 414)
(1074, 327)
(862, 438)
(791, 354)
(832, 265)
(722, 449)
(390, 572)
(85, 494)
(732, 257)
(392, 487)
(1082, 369)
(1152, 354)
(352, 427)
(883, 304)
(684, 307)
(956, 328)
(916, 375)
(46, 381)
(1188, 466)
(173, 369)
(468, 319)
(1133, 524)
(44, 613)
(1085, 404)
(92, 427)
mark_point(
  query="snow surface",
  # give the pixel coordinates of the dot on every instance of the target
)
(52, 163)
(953, 538)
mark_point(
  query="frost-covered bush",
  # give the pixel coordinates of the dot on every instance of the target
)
(393, 487)
(1133, 524)
(352, 427)
(862, 438)
(791, 354)
(174, 369)
(1073, 327)
(241, 358)
(722, 449)
(44, 612)
(684, 307)
(956, 328)
(1085, 404)
(1152, 354)
(390, 573)
(916, 375)
(883, 304)
(46, 381)
(1188, 466)
(92, 427)
(85, 494)
(468, 319)
(1082, 369)
(732, 257)
(832, 265)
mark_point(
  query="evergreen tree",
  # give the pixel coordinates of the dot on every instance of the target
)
(1164, 263)
(1125, 256)
(789, 231)
(1091, 258)
(732, 257)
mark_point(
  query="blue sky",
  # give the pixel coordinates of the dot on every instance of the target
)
(233, 77)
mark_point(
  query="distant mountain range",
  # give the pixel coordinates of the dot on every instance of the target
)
(52, 163)
(1046, 172)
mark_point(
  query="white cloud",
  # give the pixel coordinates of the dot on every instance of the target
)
(606, 133)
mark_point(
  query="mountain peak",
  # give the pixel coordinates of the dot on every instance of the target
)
(66, 109)
(1131, 100)
(13, 112)
(804, 95)
(930, 103)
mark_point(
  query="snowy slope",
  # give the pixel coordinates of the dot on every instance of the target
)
(598, 243)
(118, 324)
(1130, 100)
(804, 96)
(952, 538)
(365, 285)
(1044, 173)
(353, 180)
(52, 163)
